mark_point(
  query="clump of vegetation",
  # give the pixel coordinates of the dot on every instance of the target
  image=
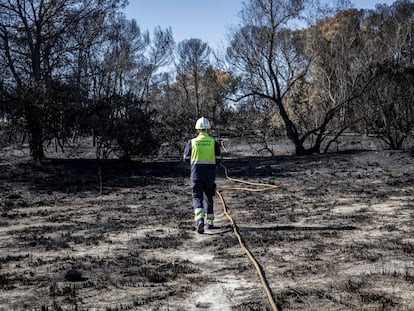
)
(65, 78)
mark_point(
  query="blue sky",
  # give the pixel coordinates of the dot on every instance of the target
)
(208, 20)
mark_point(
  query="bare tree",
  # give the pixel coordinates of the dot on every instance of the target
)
(193, 59)
(313, 76)
(388, 107)
(35, 48)
(122, 53)
(159, 54)
(216, 86)
(258, 52)
(339, 76)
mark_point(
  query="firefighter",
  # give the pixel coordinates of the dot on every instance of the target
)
(203, 151)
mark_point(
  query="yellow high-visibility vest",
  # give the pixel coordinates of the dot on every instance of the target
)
(203, 149)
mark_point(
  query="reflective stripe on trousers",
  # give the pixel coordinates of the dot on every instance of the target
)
(203, 193)
(199, 214)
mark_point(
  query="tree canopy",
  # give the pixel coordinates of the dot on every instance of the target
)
(80, 69)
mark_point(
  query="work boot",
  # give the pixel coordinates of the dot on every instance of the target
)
(210, 225)
(200, 227)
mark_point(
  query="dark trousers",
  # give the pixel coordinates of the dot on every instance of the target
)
(202, 193)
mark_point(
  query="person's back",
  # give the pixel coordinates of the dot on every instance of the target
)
(202, 151)
(203, 157)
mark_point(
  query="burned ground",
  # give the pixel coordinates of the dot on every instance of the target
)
(116, 235)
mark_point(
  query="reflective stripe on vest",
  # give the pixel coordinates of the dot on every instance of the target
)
(203, 150)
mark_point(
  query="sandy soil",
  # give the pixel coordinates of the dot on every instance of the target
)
(112, 235)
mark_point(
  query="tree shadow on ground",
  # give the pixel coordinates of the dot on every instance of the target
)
(82, 175)
(280, 165)
(297, 228)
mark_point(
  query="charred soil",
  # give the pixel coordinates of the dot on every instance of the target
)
(117, 235)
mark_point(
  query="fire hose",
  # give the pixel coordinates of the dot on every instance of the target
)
(259, 187)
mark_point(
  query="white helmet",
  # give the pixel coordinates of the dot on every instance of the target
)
(202, 124)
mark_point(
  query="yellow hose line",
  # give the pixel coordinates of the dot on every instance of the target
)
(223, 147)
(264, 187)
